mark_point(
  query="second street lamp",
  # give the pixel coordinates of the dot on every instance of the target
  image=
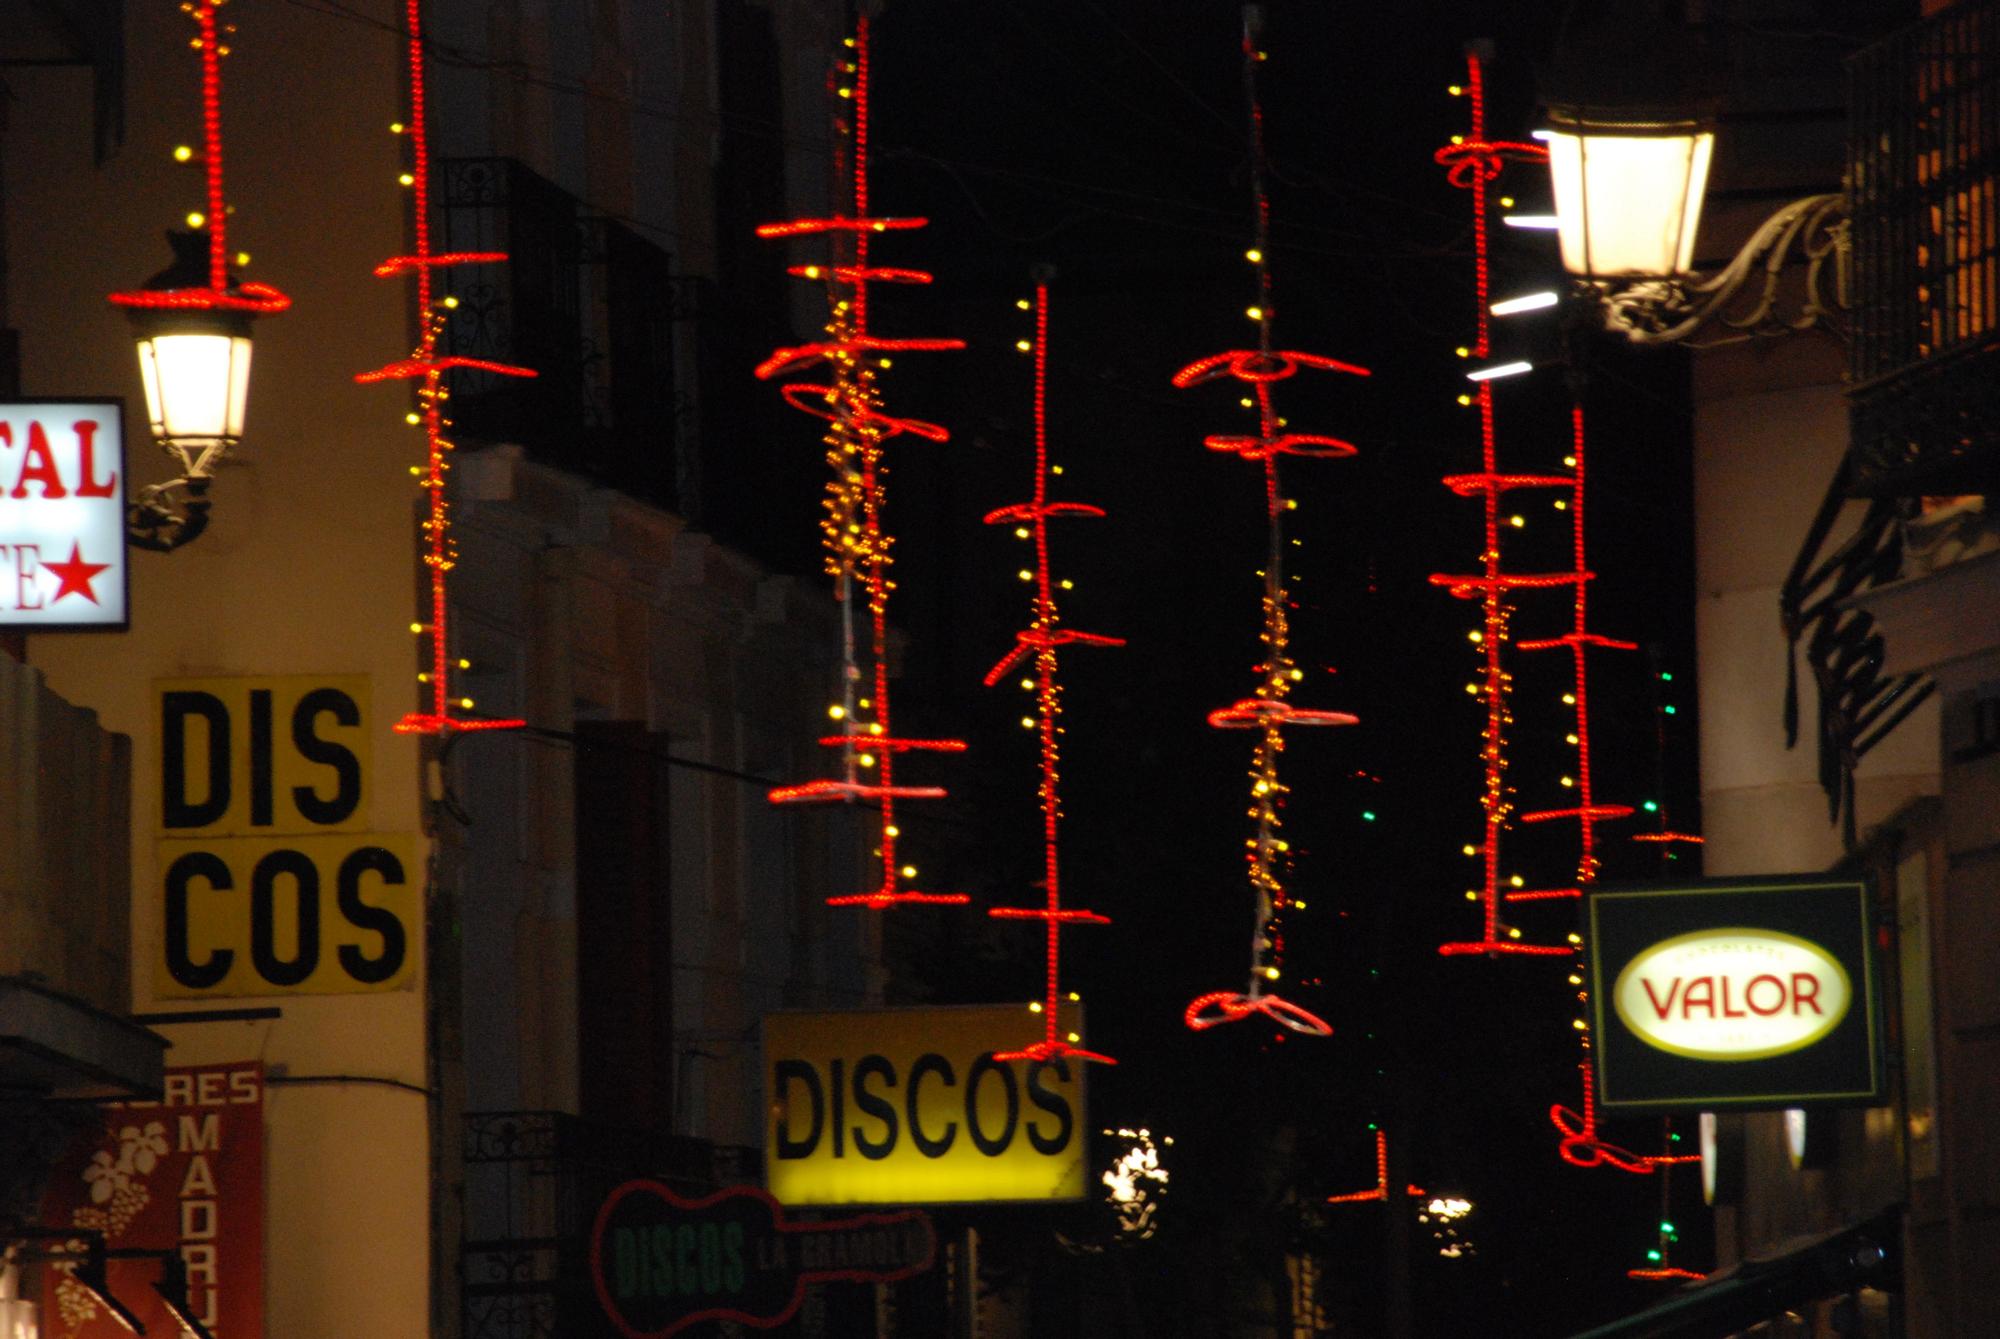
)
(1628, 190)
(1628, 187)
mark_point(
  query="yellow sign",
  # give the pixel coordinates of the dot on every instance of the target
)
(269, 882)
(254, 757)
(908, 1106)
(287, 915)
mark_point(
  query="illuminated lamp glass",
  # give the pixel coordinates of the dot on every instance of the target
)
(195, 367)
(1628, 190)
(194, 352)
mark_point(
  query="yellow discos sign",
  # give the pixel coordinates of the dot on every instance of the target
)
(908, 1106)
(269, 883)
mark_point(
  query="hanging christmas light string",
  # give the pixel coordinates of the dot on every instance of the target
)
(220, 294)
(1581, 1145)
(1472, 163)
(1040, 642)
(1379, 1192)
(1664, 837)
(1660, 1266)
(1266, 712)
(1579, 641)
(858, 546)
(428, 368)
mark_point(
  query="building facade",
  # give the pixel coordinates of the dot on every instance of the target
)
(570, 927)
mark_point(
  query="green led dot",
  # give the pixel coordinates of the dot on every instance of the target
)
(1670, 709)
(1368, 814)
(1666, 676)
(1654, 1256)
(1651, 806)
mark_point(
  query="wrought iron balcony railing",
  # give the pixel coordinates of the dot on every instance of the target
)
(1924, 186)
(588, 303)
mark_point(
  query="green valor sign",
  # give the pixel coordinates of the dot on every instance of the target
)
(661, 1262)
(1734, 993)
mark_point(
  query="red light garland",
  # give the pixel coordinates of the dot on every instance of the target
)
(851, 524)
(1041, 639)
(428, 368)
(1266, 711)
(1379, 1192)
(1472, 162)
(220, 295)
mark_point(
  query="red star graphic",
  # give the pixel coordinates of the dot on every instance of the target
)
(74, 577)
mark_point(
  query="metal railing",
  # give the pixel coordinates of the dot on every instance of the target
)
(1924, 186)
(587, 303)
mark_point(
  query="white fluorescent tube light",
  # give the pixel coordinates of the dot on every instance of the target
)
(1539, 222)
(1527, 303)
(1498, 370)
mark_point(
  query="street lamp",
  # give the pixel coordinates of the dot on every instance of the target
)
(1628, 186)
(194, 362)
(1628, 190)
(191, 322)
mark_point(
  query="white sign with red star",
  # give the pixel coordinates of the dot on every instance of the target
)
(62, 514)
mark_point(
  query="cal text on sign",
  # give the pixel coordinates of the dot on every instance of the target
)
(62, 515)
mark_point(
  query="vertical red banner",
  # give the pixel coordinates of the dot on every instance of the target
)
(183, 1174)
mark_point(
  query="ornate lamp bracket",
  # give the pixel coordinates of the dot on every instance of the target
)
(1749, 297)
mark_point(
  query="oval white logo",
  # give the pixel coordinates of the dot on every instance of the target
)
(1732, 994)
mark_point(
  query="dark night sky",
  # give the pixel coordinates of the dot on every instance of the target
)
(1108, 139)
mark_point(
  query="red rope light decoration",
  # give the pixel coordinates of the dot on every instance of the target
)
(1379, 1192)
(220, 295)
(1580, 1143)
(1266, 711)
(1660, 1263)
(427, 368)
(851, 526)
(1472, 162)
(1580, 641)
(1041, 640)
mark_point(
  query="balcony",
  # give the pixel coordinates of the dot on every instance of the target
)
(589, 304)
(1924, 183)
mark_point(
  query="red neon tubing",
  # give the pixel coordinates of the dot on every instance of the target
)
(851, 526)
(1042, 638)
(1266, 711)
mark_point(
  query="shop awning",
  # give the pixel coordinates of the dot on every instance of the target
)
(55, 1045)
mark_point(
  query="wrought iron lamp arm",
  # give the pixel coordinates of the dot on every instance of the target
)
(1666, 311)
(165, 516)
